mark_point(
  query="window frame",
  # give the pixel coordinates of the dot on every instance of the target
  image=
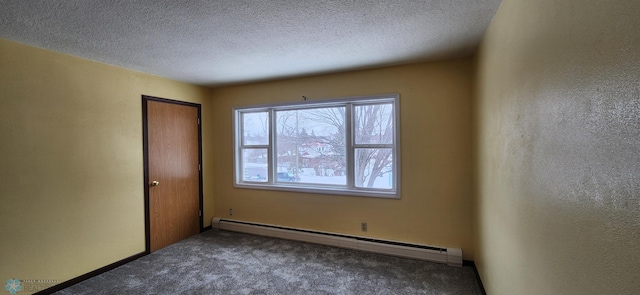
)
(350, 189)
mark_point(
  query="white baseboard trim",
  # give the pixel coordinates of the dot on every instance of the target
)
(450, 256)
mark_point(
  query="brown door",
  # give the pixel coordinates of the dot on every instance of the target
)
(173, 171)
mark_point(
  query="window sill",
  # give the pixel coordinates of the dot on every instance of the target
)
(323, 190)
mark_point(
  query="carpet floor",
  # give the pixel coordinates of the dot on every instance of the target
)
(221, 262)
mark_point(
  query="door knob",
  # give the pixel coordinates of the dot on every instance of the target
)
(155, 183)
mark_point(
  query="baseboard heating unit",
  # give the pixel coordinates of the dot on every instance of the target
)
(450, 256)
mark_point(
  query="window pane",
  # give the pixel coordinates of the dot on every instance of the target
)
(255, 128)
(373, 168)
(254, 165)
(311, 145)
(374, 124)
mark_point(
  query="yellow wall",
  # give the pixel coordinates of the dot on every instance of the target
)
(435, 111)
(71, 174)
(553, 135)
(558, 134)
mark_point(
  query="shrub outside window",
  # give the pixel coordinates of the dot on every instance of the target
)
(346, 146)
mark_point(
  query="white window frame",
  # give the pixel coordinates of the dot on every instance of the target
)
(350, 188)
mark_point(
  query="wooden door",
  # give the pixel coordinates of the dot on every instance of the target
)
(173, 175)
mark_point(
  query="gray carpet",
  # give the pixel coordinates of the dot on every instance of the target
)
(220, 262)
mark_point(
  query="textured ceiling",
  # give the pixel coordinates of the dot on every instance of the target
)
(224, 42)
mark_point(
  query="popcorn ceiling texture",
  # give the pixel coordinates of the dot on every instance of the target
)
(221, 42)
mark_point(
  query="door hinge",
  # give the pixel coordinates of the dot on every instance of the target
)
(200, 213)
(199, 167)
(198, 121)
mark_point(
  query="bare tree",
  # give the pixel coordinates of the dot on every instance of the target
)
(256, 127)
(373, 125)
(288, 143)
(335, 138)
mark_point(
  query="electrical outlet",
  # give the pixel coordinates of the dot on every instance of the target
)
(363, 226)
(230, 211)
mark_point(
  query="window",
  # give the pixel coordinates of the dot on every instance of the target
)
(343, 146)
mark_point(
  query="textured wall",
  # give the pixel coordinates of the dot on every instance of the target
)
(435, 111)
(71, 175)
(558, 159)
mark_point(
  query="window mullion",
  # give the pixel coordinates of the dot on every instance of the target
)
(271, 166)
(349, 140)
(373, 146)
(239, 141)
(396, 146)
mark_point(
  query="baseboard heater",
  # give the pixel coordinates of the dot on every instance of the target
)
(450, 256)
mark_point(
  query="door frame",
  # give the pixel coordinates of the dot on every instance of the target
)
(145, 151)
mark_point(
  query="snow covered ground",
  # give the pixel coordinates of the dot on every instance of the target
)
(258, 172)
(381, 182)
